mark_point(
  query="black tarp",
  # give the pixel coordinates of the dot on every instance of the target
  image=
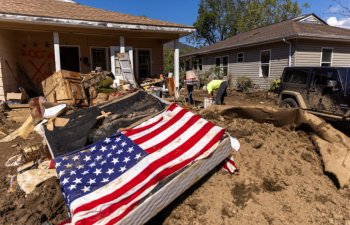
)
(83, 128)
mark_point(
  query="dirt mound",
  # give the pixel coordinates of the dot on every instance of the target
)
(281, 181)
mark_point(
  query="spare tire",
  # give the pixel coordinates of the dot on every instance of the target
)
(289, 103)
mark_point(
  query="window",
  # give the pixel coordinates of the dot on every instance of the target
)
(296, 76)
(195, 64)
(99, 58)
(326, 57)
(240, 57)
(200, 64)
(321, 76)
(218, 62)
(265, 58)
(224, 67)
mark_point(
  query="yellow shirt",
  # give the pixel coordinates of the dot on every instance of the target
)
(213, 85)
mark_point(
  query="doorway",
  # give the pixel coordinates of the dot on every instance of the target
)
(70, 58)
(143, 63)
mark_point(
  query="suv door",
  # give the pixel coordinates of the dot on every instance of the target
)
(296, 79)
(321, 97)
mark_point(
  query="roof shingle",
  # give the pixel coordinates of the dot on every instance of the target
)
(67, 10)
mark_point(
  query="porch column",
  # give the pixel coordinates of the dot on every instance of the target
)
(122, 44)
(176, 63)
(56, 44)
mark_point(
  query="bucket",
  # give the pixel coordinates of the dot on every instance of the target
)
(207, 102)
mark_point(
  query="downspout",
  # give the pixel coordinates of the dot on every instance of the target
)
(290, 52)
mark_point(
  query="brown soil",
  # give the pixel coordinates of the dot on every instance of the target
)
(281, 181)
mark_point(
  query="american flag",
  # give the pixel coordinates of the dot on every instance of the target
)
(104, 182)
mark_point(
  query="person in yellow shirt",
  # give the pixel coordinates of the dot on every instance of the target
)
(220, 86)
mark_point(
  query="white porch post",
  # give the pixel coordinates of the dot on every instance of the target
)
(122, 44)
(56, 43)
(176, 63)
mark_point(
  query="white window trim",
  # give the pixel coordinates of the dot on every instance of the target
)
(76, 46)
(260, 71)
(107, 58)
(242, 57)
(322, 55)
(228, 63)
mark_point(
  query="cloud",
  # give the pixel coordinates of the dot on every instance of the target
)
(334, 9)
(342, 22)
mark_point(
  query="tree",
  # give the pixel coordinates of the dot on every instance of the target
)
(218, 20)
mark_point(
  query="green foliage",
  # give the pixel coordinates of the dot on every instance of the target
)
(218, 20)
(244, 83)
(275, 85)
(213, 73)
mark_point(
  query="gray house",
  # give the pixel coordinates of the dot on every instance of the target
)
(263, 53)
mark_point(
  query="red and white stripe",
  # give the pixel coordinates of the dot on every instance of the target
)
(230, 165)
(173, 139)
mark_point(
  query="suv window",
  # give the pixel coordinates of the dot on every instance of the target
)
(296, 76)
(321, 76)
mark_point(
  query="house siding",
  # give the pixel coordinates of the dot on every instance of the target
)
(308, 53)
(251, 65)
(8, 66)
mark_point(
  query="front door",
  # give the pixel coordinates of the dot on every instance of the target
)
(70, 58)
(143, 63)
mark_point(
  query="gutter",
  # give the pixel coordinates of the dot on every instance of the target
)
(91, 24)
(290, 52)
(294, 36)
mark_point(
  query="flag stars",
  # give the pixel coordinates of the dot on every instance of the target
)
(92, 181)
(138, 156)
(93, 149)
(61, 173)
(72, 173)
(80, 167)
(110, 171)
(75, 158)
(77, 181)
(123, 144)
(65, 181)
(86, 189)
(105, 180)
(109, 155)
(126, 159)
(131, 149)
(92, 164)
(122, 169)
(68, 165)
(85, 172)
(99, 157)
(57, 164)
(115, 160)
(103, 149)
(118, 139)
(87, 158)
(103, 162)
(65, 158)
(119, 151)
(72, 187)
(114, 147)
(97, 172)
(107, 140)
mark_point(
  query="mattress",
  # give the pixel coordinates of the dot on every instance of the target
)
(175, 187)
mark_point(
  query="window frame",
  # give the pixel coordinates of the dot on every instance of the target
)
(222, 64)
(200, 64)
(269, 63)
(331, 62)
(239, 57)
(108, 66)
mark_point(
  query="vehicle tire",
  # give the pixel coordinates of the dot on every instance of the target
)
(289, 103)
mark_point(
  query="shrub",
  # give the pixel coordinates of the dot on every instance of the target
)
(274, 86)
(244, 83)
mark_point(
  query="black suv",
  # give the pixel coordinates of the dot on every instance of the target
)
(324, 91)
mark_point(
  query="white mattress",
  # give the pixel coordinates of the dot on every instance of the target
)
(175, 187)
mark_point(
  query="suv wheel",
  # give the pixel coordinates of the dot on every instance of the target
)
(289, 103)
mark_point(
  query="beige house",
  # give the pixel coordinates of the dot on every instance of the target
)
(262, 54)
(39, 37)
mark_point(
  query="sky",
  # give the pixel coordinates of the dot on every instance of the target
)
(185, 11)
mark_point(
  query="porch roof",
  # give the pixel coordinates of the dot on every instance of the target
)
(69, 13)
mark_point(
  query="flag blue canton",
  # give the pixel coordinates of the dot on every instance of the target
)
(96, 165)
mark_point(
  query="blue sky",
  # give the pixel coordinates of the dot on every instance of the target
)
(185, 11)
